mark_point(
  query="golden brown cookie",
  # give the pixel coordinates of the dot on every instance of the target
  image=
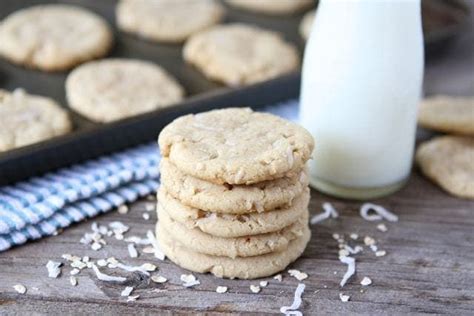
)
(236, 146)
(449, 161)
(448, 114)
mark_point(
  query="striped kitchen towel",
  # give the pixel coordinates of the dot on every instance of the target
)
(43, 205)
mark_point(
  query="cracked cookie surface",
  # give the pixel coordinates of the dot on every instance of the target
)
(236, 146)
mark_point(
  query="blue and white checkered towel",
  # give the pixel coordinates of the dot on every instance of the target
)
(41, 206)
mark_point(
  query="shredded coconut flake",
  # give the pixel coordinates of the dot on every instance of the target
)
(380, 213)
(366, 281)
(189, 280)
(73, 280)
(300, 276)
(54, 269)
(255, 288)
(159, 254)
(278, 277)
(344, 298)
(101, 262)
(146, 216)
(148, 249)
(293, 309)
(329, 211)
(149, 207)
(105, 277)
(380, 253)
(74, 271)
(127, 291)
(354, 236)
(221, 289)
(350, 269)
(20, 288)
(132, 251)
(158, 279)
(382, 227)
(133, 298)
(368, 241)
(263, 283)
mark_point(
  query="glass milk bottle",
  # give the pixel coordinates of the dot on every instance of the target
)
(361, 84)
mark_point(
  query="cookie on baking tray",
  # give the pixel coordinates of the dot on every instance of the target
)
(238, 54)
(54, 37)
(167, 20)
(26, 119)
(113, 89)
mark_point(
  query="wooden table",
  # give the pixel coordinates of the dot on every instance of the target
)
(429, 266)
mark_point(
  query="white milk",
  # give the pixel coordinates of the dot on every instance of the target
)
(362, 79)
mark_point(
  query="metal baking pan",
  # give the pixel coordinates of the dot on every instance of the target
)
(89, 139)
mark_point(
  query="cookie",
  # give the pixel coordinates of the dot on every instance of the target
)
(448, 114)
(236, 199)
(272, 7)
(306, 24)
(236, 146)
(54, 37)
(167, 20)
(239, 54)
(449, 161)
(225, 267)
(246, 246)
(233, 225)
(113, 89)
(26, 119)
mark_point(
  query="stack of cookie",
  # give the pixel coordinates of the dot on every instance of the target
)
(234, 192)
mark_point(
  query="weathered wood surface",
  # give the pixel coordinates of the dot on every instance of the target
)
(429, 266)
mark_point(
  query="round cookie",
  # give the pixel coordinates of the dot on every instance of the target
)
(26, 119)
(306, 24)
(272, 7)
(233, 225)
(449, 161)
(113, 89)
(211, 197)
(54, 37)
(238, 54)
(236, 146)
(167, 20)
(225, 267)
(246, 246)
(448, 114)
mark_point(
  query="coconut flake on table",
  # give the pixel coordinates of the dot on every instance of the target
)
(122, 209)
(382, 227)
(380, 213)
(146, 216)
(20, 288)
(368, 241)
(158, 278)
(329, 211)
(189, 280)
(127, 291)
(263, 283)
(74, 271)
(350, 269)
(278, 277)
(255, 288)
(144, 268)
(366, 281)
(354, 250)
(132, 251)
(54, 269)
(159, 254)
(149, 207)
(221, 289)
(354, 236)
(343, 297)
(132, 298)
(380, 253)
(300, 276)
(293, 309)
(73, 280)
(105, 277)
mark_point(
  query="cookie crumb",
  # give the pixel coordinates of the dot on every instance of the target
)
(221, 289)
(122, 209)
(366, 281)
(255, 288)
(20, 288)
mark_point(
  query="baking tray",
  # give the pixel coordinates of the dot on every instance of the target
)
(89, 139)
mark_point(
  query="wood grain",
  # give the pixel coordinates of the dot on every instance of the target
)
(429, 267)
